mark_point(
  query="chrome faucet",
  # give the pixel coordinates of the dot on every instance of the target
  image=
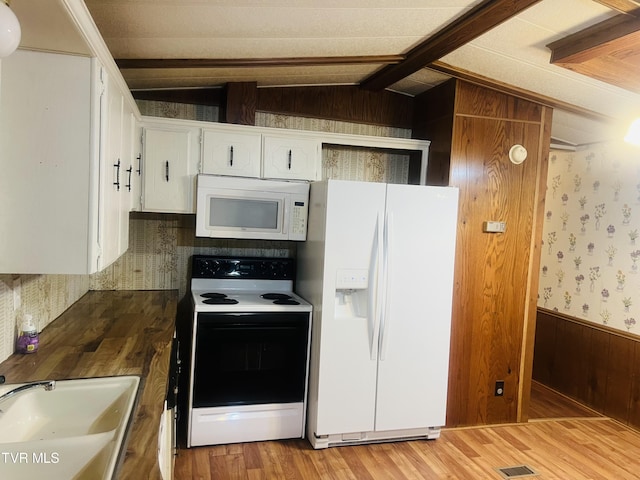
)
(47, 384)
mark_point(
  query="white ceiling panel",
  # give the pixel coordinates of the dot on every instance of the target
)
(267, 29)
(573, 129)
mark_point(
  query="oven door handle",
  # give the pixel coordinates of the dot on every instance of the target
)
(373, 308)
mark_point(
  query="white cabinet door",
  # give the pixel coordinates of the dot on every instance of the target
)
(231, 153)
(46, 160)
(130, 178)
(170, 160)
(111, 174)
(136, 163)
(291, 157)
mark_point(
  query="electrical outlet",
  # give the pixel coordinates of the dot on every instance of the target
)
(499, 390)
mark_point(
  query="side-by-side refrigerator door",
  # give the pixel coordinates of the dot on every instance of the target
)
(415, 329)
(348, 342)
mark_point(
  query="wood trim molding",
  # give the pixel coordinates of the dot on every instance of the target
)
(483, 81)
(145, 63)
(529, 329)
(631, 7)
(471, 25)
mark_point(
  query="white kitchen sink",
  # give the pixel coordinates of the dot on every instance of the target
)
(74, 431)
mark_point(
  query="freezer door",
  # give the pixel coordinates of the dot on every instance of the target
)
(414, 334)
(345, 362)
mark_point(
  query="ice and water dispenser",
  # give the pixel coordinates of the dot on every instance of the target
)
(352, 293)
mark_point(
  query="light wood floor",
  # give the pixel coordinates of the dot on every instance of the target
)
(546, 403)
(579, 448)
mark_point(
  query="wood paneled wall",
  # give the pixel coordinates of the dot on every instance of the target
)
(596, 366)
(496, 278)
(345, 103)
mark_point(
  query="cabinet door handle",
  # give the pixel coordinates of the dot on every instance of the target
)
(139, 158)
(117, 182)
(289, 165)
(166, 170)
(231, 156)
(129, 171)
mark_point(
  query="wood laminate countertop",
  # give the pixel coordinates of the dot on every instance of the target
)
(109, 333)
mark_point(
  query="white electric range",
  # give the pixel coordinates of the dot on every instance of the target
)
(249, 353)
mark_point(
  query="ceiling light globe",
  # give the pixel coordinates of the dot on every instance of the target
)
(10, 32)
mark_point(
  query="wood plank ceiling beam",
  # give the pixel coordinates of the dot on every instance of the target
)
(606, 51)
(471, 25)
(619, 32)
(144, 63)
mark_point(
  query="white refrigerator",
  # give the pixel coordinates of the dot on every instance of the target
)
(378, 268)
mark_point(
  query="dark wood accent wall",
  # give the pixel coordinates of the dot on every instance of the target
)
(496, 277)
(437, 127)
(200, 96)
(346, 103)
(239, 102)
(593, 364)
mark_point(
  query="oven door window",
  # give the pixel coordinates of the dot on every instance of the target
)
(250, 358)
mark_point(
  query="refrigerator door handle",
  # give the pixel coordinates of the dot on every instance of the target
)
(386, 276)
(373, 307)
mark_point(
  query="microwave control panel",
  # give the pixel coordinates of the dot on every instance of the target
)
(298, 220)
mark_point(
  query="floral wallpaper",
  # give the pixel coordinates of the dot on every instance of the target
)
(590, 254)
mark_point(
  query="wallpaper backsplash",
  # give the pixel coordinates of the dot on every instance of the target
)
(591, 236)
(160, 245)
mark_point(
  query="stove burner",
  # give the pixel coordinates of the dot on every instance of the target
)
(286, 301)
(213, 295)
(220, 301)
(276, 296)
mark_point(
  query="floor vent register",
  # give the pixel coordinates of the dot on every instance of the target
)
(518, 471)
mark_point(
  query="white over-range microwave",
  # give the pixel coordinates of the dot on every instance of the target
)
(237, 207)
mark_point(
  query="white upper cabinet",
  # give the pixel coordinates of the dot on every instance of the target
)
(62, 137)
(291, 156)
(46, 157)
(170, 160)
(245, 151)
(231, 152)
(184, 148)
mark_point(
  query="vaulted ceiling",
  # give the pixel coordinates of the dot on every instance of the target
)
(407, 46)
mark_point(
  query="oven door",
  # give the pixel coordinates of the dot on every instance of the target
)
(250, 358)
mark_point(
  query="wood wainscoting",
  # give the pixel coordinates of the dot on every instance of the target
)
(593, 364)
